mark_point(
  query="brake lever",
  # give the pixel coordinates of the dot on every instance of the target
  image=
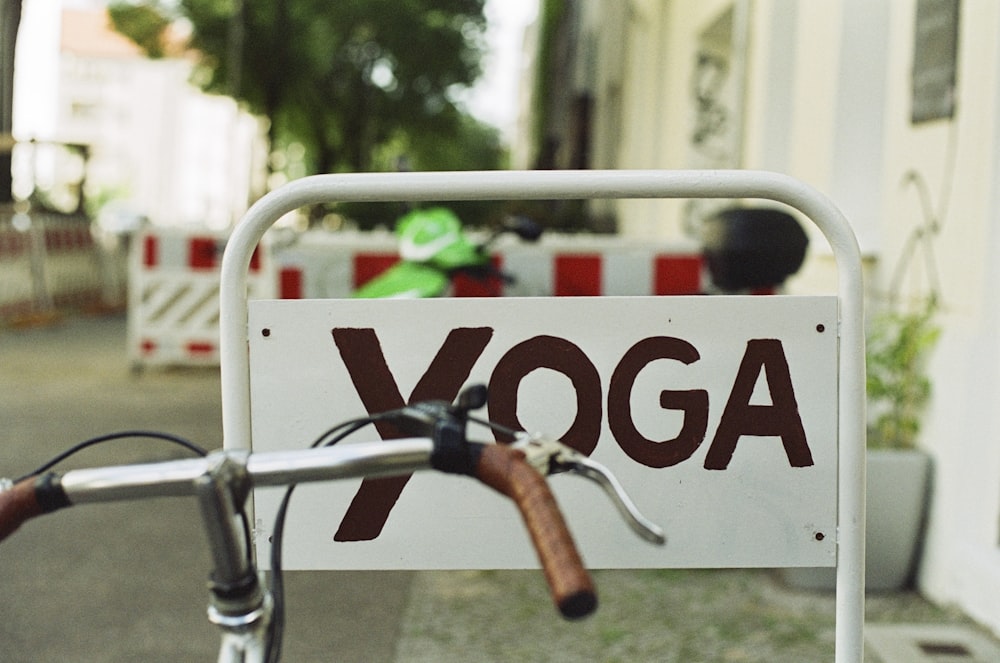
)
(550, 456)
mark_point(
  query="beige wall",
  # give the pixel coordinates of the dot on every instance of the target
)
(827, 100)
(788, 113)
(962, 559)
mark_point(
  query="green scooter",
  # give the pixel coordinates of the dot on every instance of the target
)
(434, 250)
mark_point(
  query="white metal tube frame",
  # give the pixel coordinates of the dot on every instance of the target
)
(550, 185)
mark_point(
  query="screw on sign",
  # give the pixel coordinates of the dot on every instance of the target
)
(452, 365)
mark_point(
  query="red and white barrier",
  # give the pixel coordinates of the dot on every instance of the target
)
(47, 262)
(17, 286)
(173, 311)
(322, 266)
(72, 264)
(569, 266)
(174, 279)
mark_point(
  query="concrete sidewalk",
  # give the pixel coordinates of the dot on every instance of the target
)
(127, 583)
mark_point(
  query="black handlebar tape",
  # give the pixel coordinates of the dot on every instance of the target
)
(28, 498)
(505, 470)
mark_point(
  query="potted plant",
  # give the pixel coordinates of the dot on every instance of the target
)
(898, 389)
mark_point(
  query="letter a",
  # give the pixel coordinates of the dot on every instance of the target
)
(781, 418)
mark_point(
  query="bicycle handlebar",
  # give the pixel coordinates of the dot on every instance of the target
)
(18, 504)
(222, 480)
(502, 468)
(505, 469)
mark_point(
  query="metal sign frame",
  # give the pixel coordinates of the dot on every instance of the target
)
(549, 185)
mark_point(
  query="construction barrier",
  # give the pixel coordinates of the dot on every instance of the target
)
(173, 303)
(322, 265)
(17, 286)
(47, 262)
(173, 309)
(73, 271)
(325, 266)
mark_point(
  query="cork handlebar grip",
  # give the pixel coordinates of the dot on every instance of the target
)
(18, 503)
(505, 470)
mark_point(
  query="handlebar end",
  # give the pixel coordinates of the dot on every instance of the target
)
(29, 497)
(578, 605)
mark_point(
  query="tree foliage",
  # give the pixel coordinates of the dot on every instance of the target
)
(10, 21)
(344, 80)
(144, 24)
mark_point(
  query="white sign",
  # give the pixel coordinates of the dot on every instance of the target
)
(718, 414)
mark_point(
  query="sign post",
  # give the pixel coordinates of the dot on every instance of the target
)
(771, 362)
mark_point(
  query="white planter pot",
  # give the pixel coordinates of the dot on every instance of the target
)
(898, 483)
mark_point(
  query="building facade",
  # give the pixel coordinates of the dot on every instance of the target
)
(892, 109)
(155, 143)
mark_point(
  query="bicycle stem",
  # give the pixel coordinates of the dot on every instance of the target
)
(237, 600)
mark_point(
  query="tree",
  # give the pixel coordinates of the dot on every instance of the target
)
(342, 79)
(144, 24)
(472, 145)
(10, 20)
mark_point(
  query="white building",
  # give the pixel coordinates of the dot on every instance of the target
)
(824, 91)
(156, 143)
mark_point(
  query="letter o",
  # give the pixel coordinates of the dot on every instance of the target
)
(559, 355)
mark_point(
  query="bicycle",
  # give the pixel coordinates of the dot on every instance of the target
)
(248, 610)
